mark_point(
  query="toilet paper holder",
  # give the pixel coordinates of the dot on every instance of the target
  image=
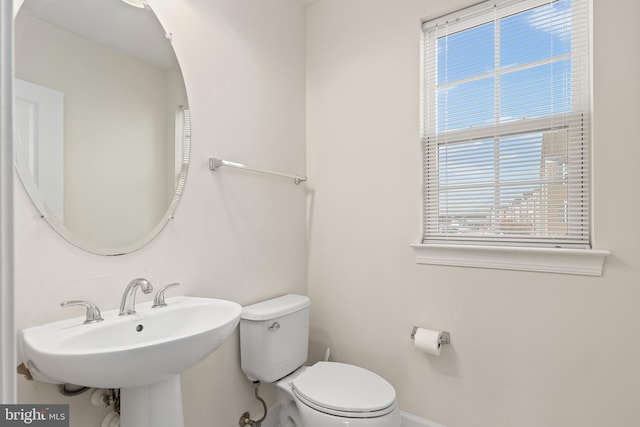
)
(444, 339)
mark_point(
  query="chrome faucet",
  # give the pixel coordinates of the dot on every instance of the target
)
(128, 304)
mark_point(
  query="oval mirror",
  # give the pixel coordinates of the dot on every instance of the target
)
(102, 120)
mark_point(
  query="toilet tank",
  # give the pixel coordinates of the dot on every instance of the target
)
(274, 337)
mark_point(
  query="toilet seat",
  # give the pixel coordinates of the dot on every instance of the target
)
(344, 390)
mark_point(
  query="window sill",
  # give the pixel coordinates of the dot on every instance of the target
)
(587, 262)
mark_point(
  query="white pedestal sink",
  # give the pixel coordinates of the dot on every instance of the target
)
(142, 354)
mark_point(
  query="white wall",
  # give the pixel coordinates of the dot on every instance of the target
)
(528, 349)
(236, 235)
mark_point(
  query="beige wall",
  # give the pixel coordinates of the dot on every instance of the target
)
(236, 235)
(528, 349)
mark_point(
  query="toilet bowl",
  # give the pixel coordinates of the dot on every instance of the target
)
(330, 394)
(273, 349)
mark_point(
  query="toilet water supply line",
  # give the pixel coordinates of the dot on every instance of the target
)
(245, 419)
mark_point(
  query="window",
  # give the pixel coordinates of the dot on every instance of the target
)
(506, 125)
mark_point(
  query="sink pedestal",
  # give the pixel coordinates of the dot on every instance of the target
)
(154, 405)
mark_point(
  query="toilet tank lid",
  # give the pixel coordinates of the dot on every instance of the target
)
(276, 307)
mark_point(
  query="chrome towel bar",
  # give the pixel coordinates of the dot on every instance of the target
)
(215, 164)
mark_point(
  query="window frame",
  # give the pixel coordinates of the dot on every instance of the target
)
(485, 253)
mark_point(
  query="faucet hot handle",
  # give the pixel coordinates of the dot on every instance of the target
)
(93, 312)
(158, 300)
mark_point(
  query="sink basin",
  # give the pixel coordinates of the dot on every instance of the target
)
(148, 347)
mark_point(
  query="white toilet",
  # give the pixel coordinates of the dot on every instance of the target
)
(274, 337)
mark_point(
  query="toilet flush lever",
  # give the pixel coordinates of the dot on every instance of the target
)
(274, 326)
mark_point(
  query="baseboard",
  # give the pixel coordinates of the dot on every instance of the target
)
(408, 420)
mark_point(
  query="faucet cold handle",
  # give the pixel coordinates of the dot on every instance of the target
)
(158, 300)
(93, 312)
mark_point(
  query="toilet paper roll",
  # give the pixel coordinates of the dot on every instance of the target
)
(428, 341)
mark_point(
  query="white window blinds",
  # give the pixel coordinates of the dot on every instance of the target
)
(506, 125)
